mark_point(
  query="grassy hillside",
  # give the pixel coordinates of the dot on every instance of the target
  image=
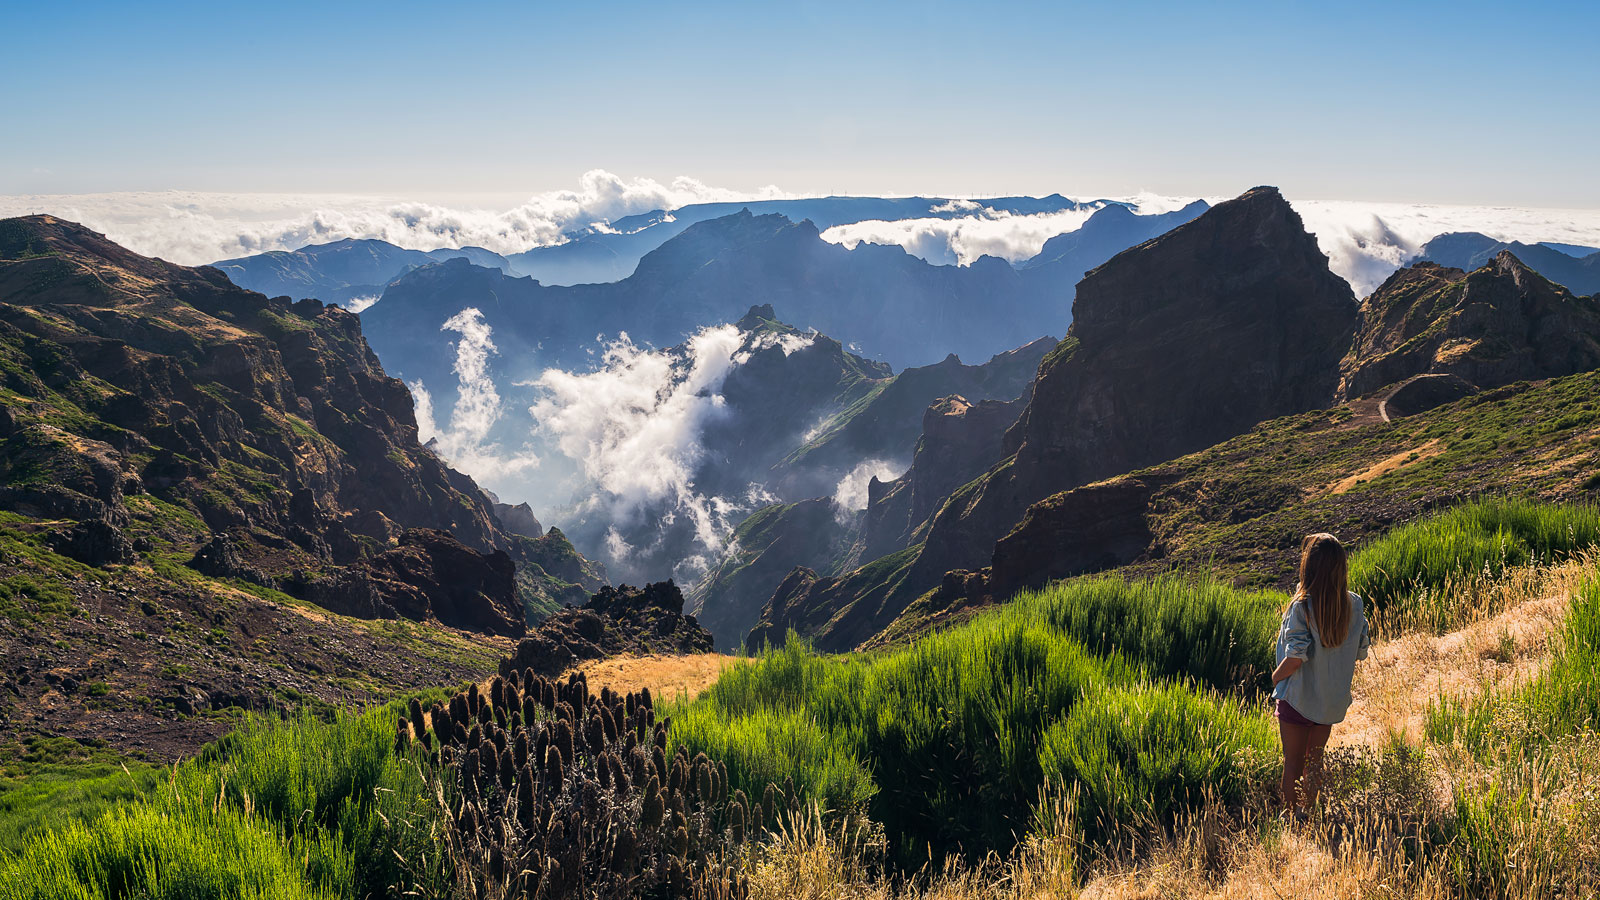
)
(1099, 729)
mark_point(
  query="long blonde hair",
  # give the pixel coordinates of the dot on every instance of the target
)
(1324, 586)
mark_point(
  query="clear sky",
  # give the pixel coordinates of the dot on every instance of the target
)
(1419, 102)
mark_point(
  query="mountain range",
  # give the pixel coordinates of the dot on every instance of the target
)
(1577, 268)
(1229, 325)
(235, 486)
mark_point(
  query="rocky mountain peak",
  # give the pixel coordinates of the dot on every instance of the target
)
(1499, 323)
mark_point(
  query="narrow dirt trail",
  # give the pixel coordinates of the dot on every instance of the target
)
(1400, 678)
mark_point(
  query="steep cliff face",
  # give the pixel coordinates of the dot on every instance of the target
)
(168, 403)
(887, 423)
(1501, 323)
(1176, 344)
(879, 429)
(960, 440)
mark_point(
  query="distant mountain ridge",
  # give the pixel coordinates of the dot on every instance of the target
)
(1429, 337)
(610, 253)
(341, 271)
(1469, 250)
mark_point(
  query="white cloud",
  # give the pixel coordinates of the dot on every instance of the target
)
(1366, 242)
(466, 445)
(194, 227)
(634, 425)
(1010, 236)
(851, 492)
(361, 304)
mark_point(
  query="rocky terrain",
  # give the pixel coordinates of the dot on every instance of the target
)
(616, 621)
(1458, 384)
(1500, 323)
(214, 488)
(1175, 345)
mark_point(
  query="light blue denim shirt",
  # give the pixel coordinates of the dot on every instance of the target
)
(1320, 690)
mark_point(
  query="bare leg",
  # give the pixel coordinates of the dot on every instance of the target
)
(1317, 740)
(1296, 738)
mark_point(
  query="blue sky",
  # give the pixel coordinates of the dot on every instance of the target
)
(1416, 102)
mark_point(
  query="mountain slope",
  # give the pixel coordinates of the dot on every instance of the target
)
(1175, 345)
(818, 533)
(1501, 323)
(1241, 507)
(194, 461)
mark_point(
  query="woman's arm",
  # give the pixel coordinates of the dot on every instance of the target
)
(1288, 667)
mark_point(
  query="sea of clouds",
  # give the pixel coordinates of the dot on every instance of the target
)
(1365, 241)
(632, 429)
(193, 228)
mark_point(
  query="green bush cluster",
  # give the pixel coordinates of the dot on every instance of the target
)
(1398, 572)
(947, 742)
(300, 808)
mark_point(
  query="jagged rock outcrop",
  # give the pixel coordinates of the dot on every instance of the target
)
(615, 621)
(887, 423)
(1176, 344)
(94, 542)
(960, 439)
(430, 576)
(1498, 324)
(220, 558)
(518, 519)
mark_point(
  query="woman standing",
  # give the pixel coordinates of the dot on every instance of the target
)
(1324, 632)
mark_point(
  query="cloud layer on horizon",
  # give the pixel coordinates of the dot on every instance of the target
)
(1364, 241)
(194, 228)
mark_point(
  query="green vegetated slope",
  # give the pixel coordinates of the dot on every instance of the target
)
(1139, 694)
(1240, 507)
(1140, 698)
(211, 500)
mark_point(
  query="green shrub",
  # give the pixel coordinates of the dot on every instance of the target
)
(291, 808)
(156, 851)
(949, 728)
(1137, 754)
(1399, 572)
(1203, 629)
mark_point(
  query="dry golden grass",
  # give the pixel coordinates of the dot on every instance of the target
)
(1387, 798)
(1383, 467)
(665, 676)
(1508, 643)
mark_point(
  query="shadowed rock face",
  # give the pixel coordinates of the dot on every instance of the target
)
(429, 576)
(1498, 324)
(960, 439)
(1176, 344)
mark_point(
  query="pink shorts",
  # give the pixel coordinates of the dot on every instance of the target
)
(1290, 715)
